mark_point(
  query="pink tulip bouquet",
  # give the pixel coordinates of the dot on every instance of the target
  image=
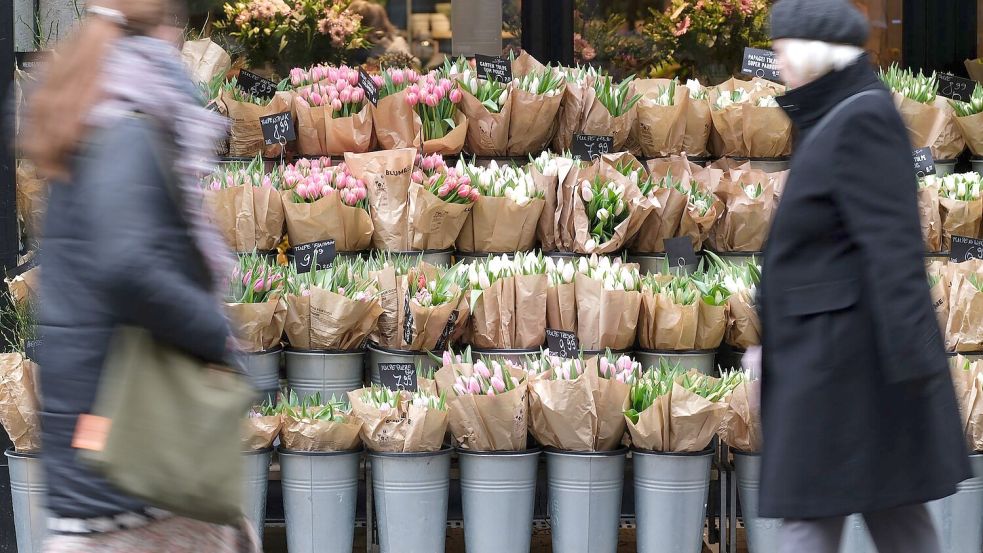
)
(440, 200)
(244, 203)
(333, 116)
(254, 303)
(326, 202)
(400, 421)
(508, 301)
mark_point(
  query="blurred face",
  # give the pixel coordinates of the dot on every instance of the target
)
(788, 70)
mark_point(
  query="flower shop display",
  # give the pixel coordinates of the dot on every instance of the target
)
(964, 326)
(750, 198)
(244, 204)
(32, 200)
(488, 107)
(608, 303)
(561, 297)
(508, 301)
(506, 215)
(536, 99)
(661, 119)
(315, 424)
(254, 304)
(244, 111)
(610, 109)
(681, 313)
(970, 121)
(325, 202)
(333, 115)
(960, 204)
(747, 122)
(400, 421)
(915, 97)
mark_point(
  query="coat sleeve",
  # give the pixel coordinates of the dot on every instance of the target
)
(127, 206)
(875, 190)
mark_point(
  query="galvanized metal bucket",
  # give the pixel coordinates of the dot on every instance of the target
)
(959, 518)
(410, 492)
(498, 492)
(501, 355)
(670, 500)
(320, 490)
(27, 490)
(945, 167)
(332, 373)
(256, 478)
(433, 257)
(655, 264)
(770, 164)
(585, 499)
(263, 369)
(762, 533)
(701, 360)
(977, 164)
(378, 354)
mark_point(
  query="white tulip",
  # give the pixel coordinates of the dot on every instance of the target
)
(472, 275)
(568, 273)
(582, 265)
(483, 280)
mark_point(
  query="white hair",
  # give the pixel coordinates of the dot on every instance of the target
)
(811, 59)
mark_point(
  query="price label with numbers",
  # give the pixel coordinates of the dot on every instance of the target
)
(760, 63)
(923, 161)
(313, 254)
(964, 249)
(493, 68)
(563, 343)
(398, 376)
(368, 86)
(251, 83)
(278, 128)
(679, 252)
(956, 88)
(589, 147)
(31, 348)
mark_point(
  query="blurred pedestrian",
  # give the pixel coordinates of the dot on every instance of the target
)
(858, 408)
(117, 123)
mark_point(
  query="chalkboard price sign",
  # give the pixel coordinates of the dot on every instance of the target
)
(278, 128)
(964, 249)
(313, 254)
(760, 63)
(956, 88)
(398, 376)
(368, 86)
(923, 161)
(679, 252)
(589, 147)
(563, 343)
(493, 68)
(251, 83)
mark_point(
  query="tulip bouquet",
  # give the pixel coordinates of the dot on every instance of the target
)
(244, 204)
(682, 313)
(536, 100)
(261, 427)
(621, 367)
(728, 98)
(608, 302)
(326, 202)
(964, 325)
(32, 200)
(609, 109)
(254, 304)
(344, 99)
(394, 116)
(930, 214)
(750, 198)
(300, 78)
(506, 215)
(434, 309)
(666, 187)
(332, 114)
(916, 97)
(746, 120)
(245, 110)
(920, 88)
(969, 120)
(698, 119)
(450, 184)
(400, 421)
(435, 99)
(577, 97)
(545, 171)
(741, 426)
(561, 297)
(971, 107)
(660, 126)
(420, 110)
(961, 207)
(440, 201)
(19, 411)
(604, 202)
(967, 379)
(741, 280)
(508, 301)
(488, 107)
(311, 424)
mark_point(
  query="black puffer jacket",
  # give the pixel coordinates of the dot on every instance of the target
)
(116, 251)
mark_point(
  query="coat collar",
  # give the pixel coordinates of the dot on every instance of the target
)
(807, 104)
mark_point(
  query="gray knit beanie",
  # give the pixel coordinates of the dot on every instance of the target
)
(834, 21)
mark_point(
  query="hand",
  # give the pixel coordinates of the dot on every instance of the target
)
(751, 362)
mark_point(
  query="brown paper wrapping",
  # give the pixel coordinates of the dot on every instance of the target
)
(975, 69)
(639, 208)
(930, 216)
(259, 432)
(728, 131)
(205, 60)
(699, 123)
(730, 123)
(451, 143)
(710, 326)
(546, 226)
(488, 133)
(572, 110)
(533, 121)
(584, 414)
(318, 133)
(25, 287)
(19, 402)
(246, 135)
(499, 225)
(525, 64)
(407, 428)
(387, 176)
(434, 223)
(605, 318)
(394, 123)
(680, 421)
(661, 129)
(950, 142)
(490, 423)
(326, 320)
(971, 408)
(743, 325)
(767, 131)
(972, 132)
(429, 323)
(664, 325)
(960, 218)
(924, 122)
(32, 199)
(511, 314)
(257, 326)
(561, 307)
(741, 425)
(328, 218)
(665, 219)
(249, 217)
(940, 300)
(746, 221)
(698, 227)
(568, 172)
(598, 120)
(317, 435)
(964, 327)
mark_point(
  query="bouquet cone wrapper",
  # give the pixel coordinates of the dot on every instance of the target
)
(924, 122)
(767, 131)
(429, 326)
(318, 133)
(699, 123)
(711, 325)
(434, 223)
(389, 331)
(526, 64)
(746, 221)
(565, 230)
(246, 134)
(561, 307)
(257, 326)
(598, 120)
(319, 435)
(960, 218)
(930, 217)
(968, 384)
(499, 225)
(484, 422)
(328, 218)
(487, 132)
(258, 432)
(679, 421)
(19, 402)
(451, 143)
(964, 328)
(741, 424)
(325, 320)
(743, 325)
(395, 123)
(698, 227)
(660, 129)
(546, 226)
(387, 176)
(940, 296)
(405, 428)
(950, 142)
(670, 204)
(32, 199)
(605, 318)
(249, 217)
(25, 287)
(533, 121)
(664, 325)
(639, 208)
(510, 314)
(971, 128)
(584, 414)
(205, 60)
(975, 69)
(573, 108)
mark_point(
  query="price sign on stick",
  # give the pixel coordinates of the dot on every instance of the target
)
(679, 252)
(252, 83)
(923, 161)
(760, 63)
(313, 254)
(964, 249)
(493, 68)
(956, 88)
(398, 376)
(368, 86)
(278, 128)
(563, 343)
(588, 147)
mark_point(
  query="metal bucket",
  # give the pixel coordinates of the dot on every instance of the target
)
(433, 257)
(256, 477)
(263, 369)
(332, 373)
(977, 164)
(27, 490)
(320, 490)
(763, 534)
(701, 360)
(410, 492)
(471, 257)
(670, 499)
(585, 499)
(498, 492)
(945, 167)
(770, 164)
(654, 264)
(740, 258)
(959, 518)
(378, 354)
(515, 355)
(729, 357)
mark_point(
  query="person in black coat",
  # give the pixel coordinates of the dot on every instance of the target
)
(858, 409)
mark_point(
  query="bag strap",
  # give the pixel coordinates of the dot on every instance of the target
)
(831, 114)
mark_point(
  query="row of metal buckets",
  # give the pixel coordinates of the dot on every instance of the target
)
(410, 495)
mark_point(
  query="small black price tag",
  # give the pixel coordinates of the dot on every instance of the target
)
(407, 320)
(563, 343)
(278, 128)
(923, 162)
(679, 252)
(588, 147)
(760, 63)
(448, 329)
(493, 68)
(252, 83)
(313, 254)
(32, 62)
(31, 348)
(398, 376)
(956, 88)
(368, 86)
(964, 249)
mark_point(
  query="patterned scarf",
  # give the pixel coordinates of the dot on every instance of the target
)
(145, 75)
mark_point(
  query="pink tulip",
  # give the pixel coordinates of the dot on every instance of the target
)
(397, 76)
(475, 194)
(497, 384)
(258, 286)
(345, 96)
(357, 95)
(603, 366)
(342, 85)
(432, 100)
(326, 190)
(460, 389)
(482, 370)
(624, 363)
(464, 191)
(455, 95)
(448, 359)
(378, 81)
(353, 77)
(443, 191)
(336, 105)
(412, 99)
(473, 386)
(362, 194)
(427, 163)
(333, 74)
(417, 177)
(302, 190)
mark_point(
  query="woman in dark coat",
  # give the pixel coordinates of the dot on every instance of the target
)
(858, 409)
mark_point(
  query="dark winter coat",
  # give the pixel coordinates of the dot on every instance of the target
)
(115, 251)
(858, 409)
